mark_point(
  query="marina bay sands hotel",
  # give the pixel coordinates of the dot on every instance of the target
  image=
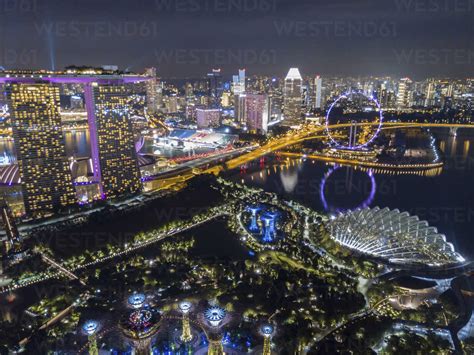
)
(34, 106)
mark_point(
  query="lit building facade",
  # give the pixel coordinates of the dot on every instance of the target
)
(292, 95)
(238, 82)
(207, 118)
(257, 107)
(404, 91)
(239, 108)
(45, 175)
(318, 83)
(113, 148)
(216, 88)
(151, 91)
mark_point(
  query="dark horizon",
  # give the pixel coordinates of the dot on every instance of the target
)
(186, 38)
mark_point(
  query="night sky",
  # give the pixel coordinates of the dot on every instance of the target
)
(185, 38)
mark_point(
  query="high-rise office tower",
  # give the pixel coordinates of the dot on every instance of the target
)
(238, 82)
(450, 90)
(207, 118)
(318, 83)
(113, 148)
(257, 107)
(292, 95)
(403, 95)
(189, 90)
(151, 91)
(429, 94)
(216, 87)
(276, 105)
(172, 104)
(239, 108)
(226, 99)
(45, 175)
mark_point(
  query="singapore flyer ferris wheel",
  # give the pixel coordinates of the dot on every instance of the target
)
(359, 119)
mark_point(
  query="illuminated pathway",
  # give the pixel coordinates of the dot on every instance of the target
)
(61, 268)
(367, 164)
(128, 249)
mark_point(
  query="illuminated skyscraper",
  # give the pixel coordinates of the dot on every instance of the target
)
(216, 87)
(207, 118)
(429, 94)
(113, 148)
(238, 82)
(151, 91)
(292, 95)
(172, 104)
(257, 107)
(45, 175)
(403, 95)
(239, 108)
(318, 83)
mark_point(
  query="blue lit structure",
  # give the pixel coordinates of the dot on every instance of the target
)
(90, 327)
(269, 230)
(253, 222)
(267, 330)
(136, 300)
(215, 315)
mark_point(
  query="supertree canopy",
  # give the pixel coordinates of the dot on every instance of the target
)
(90, 327)
(136, 300)
(267, 330)
(185, 306)
(215, 315)
(140, 323)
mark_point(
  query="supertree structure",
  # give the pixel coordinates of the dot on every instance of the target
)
(90, 327)
(186, 335)
(267, 331)
(253, 221)
(215, 344)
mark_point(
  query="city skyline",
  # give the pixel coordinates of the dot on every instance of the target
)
(261, 177)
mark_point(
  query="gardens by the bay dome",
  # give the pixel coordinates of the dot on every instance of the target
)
(393, 236)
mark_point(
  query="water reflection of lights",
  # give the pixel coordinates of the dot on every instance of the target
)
(289, 180)
(365, 203)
